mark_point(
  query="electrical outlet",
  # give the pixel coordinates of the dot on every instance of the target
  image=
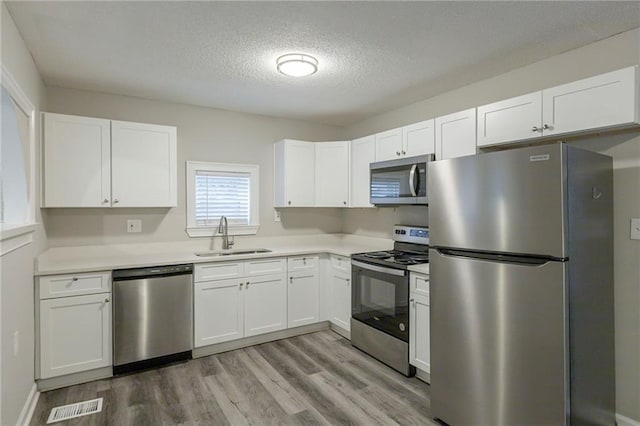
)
(16, 342)
(635, 229)
(276, 215)
(134, 225)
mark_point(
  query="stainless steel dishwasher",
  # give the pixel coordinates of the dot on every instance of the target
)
(152, 316)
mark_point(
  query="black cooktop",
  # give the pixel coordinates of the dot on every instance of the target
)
(400, 257)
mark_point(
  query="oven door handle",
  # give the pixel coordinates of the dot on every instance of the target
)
(412, 180)
(367, 266)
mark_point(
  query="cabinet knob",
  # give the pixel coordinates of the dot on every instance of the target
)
(546, 127)
(74, 279)
(535, 129)
(115, 201)
(106, 300)
(241, 284)
(348, 281)
(105, 201)
(398, 153)
(247, 284)
(344, 202)
(290, 280)
(289, 203)
(403, 152)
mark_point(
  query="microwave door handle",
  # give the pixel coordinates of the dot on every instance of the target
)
(412, 180)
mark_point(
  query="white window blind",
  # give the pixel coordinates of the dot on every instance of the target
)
(222, 194)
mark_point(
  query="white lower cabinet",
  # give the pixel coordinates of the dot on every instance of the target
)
(75, 334)
(303, 291)
(419, 325)
(252, 303)
(218, 311)
(265, 304)
(340, 291)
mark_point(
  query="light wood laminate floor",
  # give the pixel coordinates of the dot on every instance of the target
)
(317, 378)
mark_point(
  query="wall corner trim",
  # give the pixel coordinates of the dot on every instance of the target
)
(29, 407)
(625, 421)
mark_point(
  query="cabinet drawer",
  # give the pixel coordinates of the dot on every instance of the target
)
(218, 271)
(265, 266)
(419, 284)
(301, 263)
(74, 285)
(340, 263)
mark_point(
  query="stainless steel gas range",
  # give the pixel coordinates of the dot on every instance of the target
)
(380, 297)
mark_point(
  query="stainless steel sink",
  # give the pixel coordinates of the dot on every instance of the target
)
(231, 252)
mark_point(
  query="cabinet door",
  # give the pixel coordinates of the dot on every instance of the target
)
(419, 138)
(419, 335)
(363, 152)
(456, 135)
(143, 164)
(218, 310)
(389, 145)
(76, 161)
(75, 334)
(302, 298)
(332, 174)
(510, 120)
(265, 304)
(340, 308)
(419, 284)
(295, 168)
(606, 100)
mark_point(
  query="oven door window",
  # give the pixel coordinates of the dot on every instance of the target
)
(381, 301)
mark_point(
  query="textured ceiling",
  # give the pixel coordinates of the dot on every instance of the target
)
(374, 56)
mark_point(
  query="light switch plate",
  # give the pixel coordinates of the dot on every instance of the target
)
(276, 215)
(635, 229)
(134, 225)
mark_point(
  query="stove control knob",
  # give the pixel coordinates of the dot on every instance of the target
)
(402, 326)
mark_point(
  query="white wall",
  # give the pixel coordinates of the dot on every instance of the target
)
(16, 268)
(204, 134)
(616, 52)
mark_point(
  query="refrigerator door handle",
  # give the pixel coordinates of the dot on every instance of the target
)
(527, 260)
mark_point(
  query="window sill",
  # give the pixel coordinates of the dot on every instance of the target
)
(14, 237)
(213, 231)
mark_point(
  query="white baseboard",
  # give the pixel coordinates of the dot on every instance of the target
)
(29, 407)
(625, 421)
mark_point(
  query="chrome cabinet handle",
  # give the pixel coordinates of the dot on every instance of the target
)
(403, 153)
(115, 201)
(535, 129)
(546, 127)
(106, 300)
(398, 153)
(105, 201)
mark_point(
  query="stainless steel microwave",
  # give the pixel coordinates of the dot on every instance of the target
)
(400, 181)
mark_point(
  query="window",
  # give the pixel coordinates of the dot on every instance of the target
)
(218, 189)
(17, 157)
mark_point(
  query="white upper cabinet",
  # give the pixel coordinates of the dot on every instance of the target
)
(389, 145)
(512, 119)
(77, 165)
(606, 101)
(407, 141)
(419, 138)
(90, 162)
(143, 165)
(294, 173)
(456, 134)
(332, 174)
(363, 152)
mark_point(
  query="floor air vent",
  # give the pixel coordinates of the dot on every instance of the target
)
(72, 411)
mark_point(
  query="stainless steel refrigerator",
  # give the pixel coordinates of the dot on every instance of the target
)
(521, 269)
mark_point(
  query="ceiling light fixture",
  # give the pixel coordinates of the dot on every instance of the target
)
(297, 64)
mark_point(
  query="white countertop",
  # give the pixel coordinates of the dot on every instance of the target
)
(65, 260)
(422, 268)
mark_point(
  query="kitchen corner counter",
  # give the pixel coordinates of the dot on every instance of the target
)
(422, 268)
(65, 260)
